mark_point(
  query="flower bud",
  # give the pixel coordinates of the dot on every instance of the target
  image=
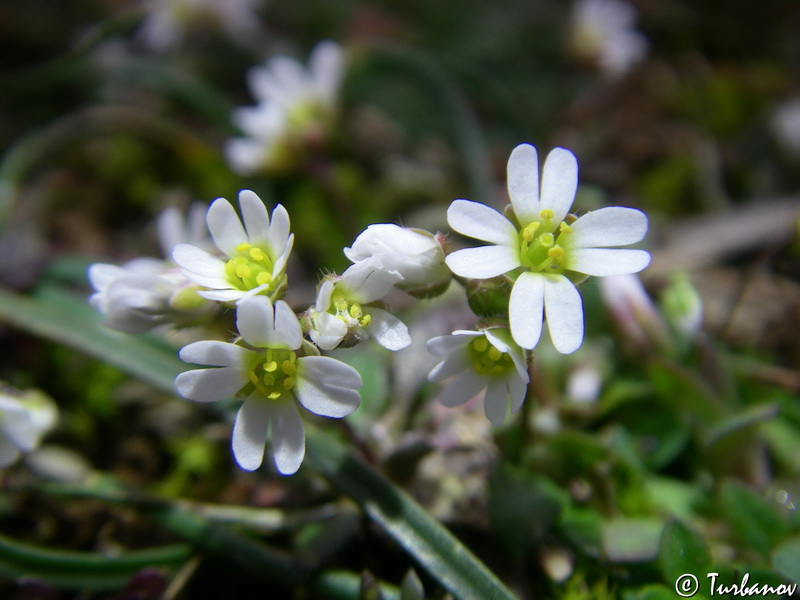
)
(415, 254)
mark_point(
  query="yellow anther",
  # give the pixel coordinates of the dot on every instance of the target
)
(495, 354)
(529, 231)
(288, 383)
(547, 240)
(366, 320)
(275, 395)
(288, 367)
(270, 366)
(263, 278)
(240, 260)
(268, 380)
(497, 370)
(243, 247)
(355, 311)
(480, 344)
(564, 228)
(556, 252)
(257, 254)
(339, 303)
(242, 271)
(546, 214)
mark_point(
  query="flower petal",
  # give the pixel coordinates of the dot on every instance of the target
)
(445, 344)
(278, 235)
(327, 330)
(517, 390)
(221, 295)
(525, 309)
(389, 331)
(483, 262)
(288, 332)
(250, 432)
(495, 402)
(365, 281)
(464, 387)
(200, 266)
(453, 364)
(225, 227)
(481, 222)
(564, 312)
(559, 182)
(611, 226)
(602, 262)
(288, 437)
(210, 385)
(213, 353)
(327, 386)
(255, 217)
(523, 183)
(255, 320)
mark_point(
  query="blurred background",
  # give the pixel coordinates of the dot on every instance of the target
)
(682, 400)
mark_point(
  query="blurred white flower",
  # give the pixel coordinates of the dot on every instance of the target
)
(785, 124)
(272, 373)
(345, 312)
(25, 417)
(602, 31)
(486, 362)
(634, 312)
(167, 21)
(256, 250)
(294, 106)
(415, 254)
(146, 292)
(546, 247)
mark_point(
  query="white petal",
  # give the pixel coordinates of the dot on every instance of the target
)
(483, 262)
(200, 266)
(222, 295)
(255, 217)
(250, 432)
(225, 227)
(278, 236)
(445, 344)
(326, 65)
(603, 262)
(564, 313)
(169, 226)
(526, 308)
(255, 321)
(517, 390)
(288, 438)
(389, 331)
(327, 387)
(327, 330)
(454, 364)
(366, 282)
(495, 402)
(481, 222)
(324, 296)
(523, 183)
(210, 385)
(102, 275)
(612, 226)
(283, 258)
(8, 451)
(213, 353)
(559, 182)
(288, 333)
(464, 387)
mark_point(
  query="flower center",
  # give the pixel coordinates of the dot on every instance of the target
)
(274, 374)
(540, 249)
(349, 312)
(488, 360)
(250, 269)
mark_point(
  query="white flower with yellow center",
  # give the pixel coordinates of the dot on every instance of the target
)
(256, 250)
(345, 312)
(546, 249)
(269, 369)
(295, 105)
(24, 419)
(488, 362)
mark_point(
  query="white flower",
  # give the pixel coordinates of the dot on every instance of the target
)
(146, 292)
(273, 375)
(603, 31)
(481, 360)
(413, 253)
(634, 312)
(785, 124)
(24, 419)
(546, 246)
(256, 250)
(166, 20)
(345, 311)
(294, 104)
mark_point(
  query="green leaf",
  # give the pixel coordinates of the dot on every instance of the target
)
(631, 540)
(786, 559)
(522, 509)
(412, 589)
(755, 521)
(682, 550)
